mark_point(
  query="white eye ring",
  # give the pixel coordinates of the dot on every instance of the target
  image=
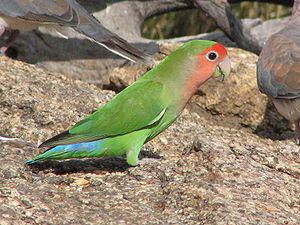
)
(212, 56)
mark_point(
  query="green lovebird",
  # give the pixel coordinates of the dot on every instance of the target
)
(144, 109)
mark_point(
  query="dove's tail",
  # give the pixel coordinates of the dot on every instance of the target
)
(95, 31)
(115, 44)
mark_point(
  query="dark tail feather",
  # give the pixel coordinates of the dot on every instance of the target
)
(52, 141)
(122, 48)
(65, 138)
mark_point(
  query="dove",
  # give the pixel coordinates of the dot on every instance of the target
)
(278, 71)
(26, 15)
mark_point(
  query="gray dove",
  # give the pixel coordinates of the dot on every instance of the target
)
(26, 15)
(278, 70)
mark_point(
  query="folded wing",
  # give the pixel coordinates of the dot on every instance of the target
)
(138, 107)
(278, 67)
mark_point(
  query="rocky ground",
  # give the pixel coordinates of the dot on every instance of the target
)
(228, 159)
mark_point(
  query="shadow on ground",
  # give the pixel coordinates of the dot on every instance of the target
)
(115, 164)
(273, 125)
(81, 166)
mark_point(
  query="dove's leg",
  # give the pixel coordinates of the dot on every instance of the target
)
(4, 36)
(7, 36)
(297, 132)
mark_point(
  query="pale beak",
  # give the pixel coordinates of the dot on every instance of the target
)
(223, 69)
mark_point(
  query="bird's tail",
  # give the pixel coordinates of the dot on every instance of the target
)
(113, 43)
(95, 31)
(79, 150)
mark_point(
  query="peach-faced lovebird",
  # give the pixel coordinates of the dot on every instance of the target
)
(144, 109)
(27, 15)
(278, 71)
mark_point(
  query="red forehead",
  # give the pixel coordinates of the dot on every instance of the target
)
(217, 48)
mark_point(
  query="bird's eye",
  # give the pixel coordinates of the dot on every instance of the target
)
(212, 56)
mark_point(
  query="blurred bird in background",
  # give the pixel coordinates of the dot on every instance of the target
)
(278, 70)
(24, 15)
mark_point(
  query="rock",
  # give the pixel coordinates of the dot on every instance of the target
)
(29, 95)
(122, 77)
(237, 98)
(230, 176)
(262, 31)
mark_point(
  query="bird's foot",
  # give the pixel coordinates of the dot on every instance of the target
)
(297, 132)
(3, 40)
(297, 138)
(4, 50)
(10, 52)
(7, 36)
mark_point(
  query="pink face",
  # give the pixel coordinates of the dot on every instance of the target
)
(212, 61)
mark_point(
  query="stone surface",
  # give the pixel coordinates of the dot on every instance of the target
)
(29, 95)
(237, 100)
(196, 172)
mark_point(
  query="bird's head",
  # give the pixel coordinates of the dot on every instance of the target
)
(211, 58)
(203, 60)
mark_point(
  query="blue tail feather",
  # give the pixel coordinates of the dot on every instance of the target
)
(78, 150)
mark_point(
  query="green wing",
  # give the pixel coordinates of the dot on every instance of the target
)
(138, 106)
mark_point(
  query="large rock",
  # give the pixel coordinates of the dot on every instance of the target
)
(200, 173)
(29, 95)
(237, 100)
